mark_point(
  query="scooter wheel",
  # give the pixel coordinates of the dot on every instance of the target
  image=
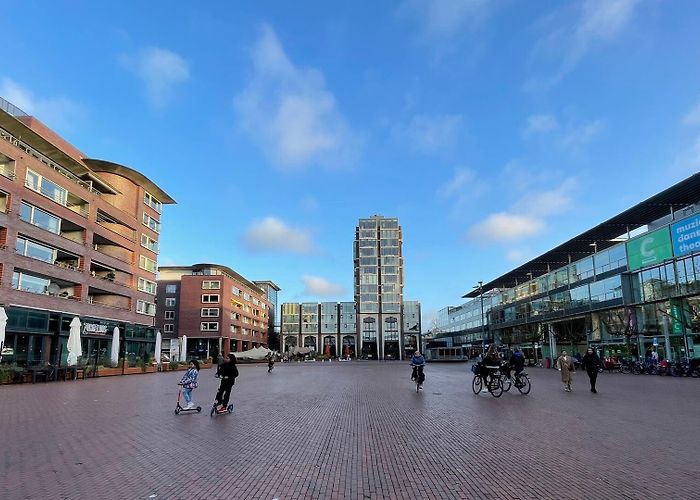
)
(177, 411)
(230, 408)
(199, 409)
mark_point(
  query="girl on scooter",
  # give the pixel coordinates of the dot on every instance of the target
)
(189, 383)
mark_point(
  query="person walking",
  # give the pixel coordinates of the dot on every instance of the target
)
(219, 361)
(591, 363)
(270, 363)
(566, 366)
(228, 373)
(189, 383)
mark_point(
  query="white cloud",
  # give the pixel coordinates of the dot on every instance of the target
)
(442, 19)
(504, 226)
(597, 22)
(548, 202)
(271, 234)
(54, 111)
(314, 285)
(458, 184)
(577, 137)
(527, 217)
(161, 70)
(431, 133)
(693, 116)
(290, 113)
(541, 124)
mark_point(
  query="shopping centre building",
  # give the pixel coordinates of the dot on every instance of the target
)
(629, 284)
(78, 238)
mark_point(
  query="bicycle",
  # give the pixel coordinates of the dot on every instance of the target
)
(493, 382)
(420, 377)
(521, 382)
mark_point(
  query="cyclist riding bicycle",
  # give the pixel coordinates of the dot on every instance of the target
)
(516, 362)
(418, 362)
(490, 359)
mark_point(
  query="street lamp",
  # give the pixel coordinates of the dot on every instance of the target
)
(481, 299)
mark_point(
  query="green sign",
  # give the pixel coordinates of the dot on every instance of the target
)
(652, 248)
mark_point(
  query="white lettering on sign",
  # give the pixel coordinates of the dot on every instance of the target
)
(94, 328)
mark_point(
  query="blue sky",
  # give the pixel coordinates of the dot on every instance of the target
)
(494, 130)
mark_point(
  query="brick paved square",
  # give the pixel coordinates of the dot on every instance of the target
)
(351, 430)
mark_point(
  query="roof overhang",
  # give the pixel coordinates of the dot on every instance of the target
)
(131, 174)
(602, 236)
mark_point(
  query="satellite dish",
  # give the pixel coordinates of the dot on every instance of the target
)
(54, 289)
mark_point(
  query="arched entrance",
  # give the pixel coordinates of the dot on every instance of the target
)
(290, 342)
(348, 347)
(310, 342)
(391, 338)
(369, 338)
(329, 346)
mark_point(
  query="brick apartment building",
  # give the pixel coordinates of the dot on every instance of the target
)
(217, 309)
(78, 237)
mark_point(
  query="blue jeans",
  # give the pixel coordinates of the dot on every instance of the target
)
(187, 393)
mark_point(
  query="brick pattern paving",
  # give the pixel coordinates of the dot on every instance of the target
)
(351, 430)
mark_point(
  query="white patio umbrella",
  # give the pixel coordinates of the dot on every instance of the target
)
(159, 341)
(114, 357)
(75, 348)
(3, 324)
(183, 349)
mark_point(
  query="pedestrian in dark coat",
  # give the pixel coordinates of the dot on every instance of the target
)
(591, 363)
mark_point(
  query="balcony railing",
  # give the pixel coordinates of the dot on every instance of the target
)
(7, 171)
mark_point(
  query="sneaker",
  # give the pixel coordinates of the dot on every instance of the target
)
(189, 406)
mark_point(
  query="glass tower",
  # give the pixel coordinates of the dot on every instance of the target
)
(379, 286)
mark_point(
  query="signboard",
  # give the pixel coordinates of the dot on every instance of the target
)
(686, 235)
(649, 249)
(95, 329)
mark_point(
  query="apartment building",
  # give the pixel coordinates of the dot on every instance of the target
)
(214, 307)
(78, 237)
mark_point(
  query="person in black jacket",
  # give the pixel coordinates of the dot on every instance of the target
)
(228, 373)
(591, 363)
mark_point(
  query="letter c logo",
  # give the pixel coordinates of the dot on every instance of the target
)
(644, 248)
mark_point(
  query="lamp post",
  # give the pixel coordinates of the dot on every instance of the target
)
(481, 300)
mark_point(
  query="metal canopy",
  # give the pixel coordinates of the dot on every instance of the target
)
(680, 195)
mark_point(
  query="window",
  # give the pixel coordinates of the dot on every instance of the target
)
(211, 285)
(170, 301)
(147, 264)
(150, 222)
(37, 217)
(169, 314)
(168, 328)
(34, 250)
(206, 326)
(235, 291)
(211, 312)
(44, 186)
(144, 307)
(210, 299)
(147, 286)
(170, 288)
(29, 283)
(149, 200)
(150, 243)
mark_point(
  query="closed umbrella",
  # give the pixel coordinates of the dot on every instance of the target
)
(159, 341)
(75, 348)
(183, 349)
(114, 358)
(3, 324)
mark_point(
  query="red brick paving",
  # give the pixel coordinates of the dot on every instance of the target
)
(351, 430)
